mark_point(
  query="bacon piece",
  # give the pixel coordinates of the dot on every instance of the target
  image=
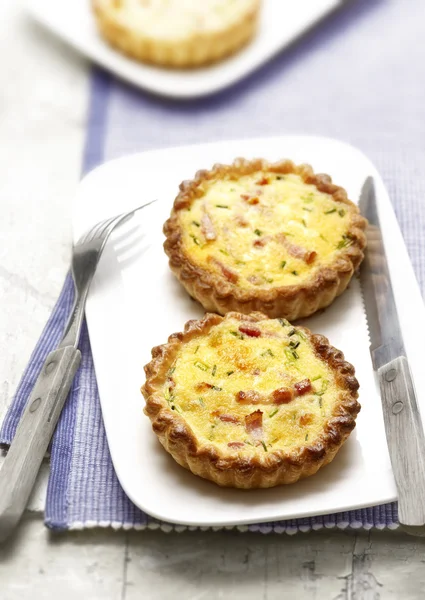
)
(296, 251)
(228, 273)
(262, 181)
(250, 199)
(306, 419)
(255, 279)
(302, 387)
(249, 397)
(207, 228)
(203, 386)
(241, 221)
(254, 424)
(282, 396)
(236, 444)
(225, 418)
(250, 330)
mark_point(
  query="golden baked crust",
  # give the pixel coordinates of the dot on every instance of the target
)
(261, 429)
(232, 265)
(175, 34)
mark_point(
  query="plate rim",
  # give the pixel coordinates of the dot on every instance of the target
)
(122, 66)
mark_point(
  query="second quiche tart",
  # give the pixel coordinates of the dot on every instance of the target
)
(177, 33)
(250, 402)
(257, 236)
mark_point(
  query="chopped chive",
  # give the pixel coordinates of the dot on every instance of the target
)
(329, 212)
(320, 402)
(201, 401)
(229, 373)
(214, 370)
(307, 199)
(287, 233)
(300, 333)
(240, 262)
(224, 252)
(293, 344)
(236, 334)
(232, 190)
(291, 331)
(268, 279)
(280, 177)
(267, 352)
(325, 384)
(341, 212)
(304, 223)
(264, 446)
(316, 378)
(171, 371)
(294, 272)
(196, 350)
(222, 206)
(307, 209)
(306, 436)
(216, 388)
(272, 414)
(257, 232)
(346, 241)
(283, 322)
(201, 365)
(295, 354)
(323, 238)
(196, 223)
(195, 239)
(283, 264)
(289, 355)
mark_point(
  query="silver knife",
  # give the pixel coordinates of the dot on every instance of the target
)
(403, 425)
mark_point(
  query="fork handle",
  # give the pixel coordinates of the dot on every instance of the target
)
(34, 432)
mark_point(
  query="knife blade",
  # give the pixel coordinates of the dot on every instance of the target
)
(403, 425)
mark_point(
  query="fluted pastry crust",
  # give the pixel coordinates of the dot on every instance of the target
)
(186, 38)
(241, 463)
(222, 290)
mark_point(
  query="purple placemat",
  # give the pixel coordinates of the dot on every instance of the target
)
(356, 78)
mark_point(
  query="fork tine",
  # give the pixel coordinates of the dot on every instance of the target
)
(103, 229)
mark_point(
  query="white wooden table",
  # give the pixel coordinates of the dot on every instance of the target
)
(43, 98)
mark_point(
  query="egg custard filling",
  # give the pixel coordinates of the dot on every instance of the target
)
(251, 385)
(269, 237)
(264, 229)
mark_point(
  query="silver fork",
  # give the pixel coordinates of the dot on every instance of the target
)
(38, 422)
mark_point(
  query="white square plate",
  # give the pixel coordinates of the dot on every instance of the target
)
(279, 26)
(135, 303)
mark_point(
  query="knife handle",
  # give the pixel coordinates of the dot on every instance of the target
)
(406, 441)
(34, 432)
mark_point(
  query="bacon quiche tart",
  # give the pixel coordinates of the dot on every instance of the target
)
(177, 33)
(255, 236)
(250, 402)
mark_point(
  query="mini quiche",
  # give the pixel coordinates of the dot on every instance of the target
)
(269, 237)
(249, 402)
(177, 33)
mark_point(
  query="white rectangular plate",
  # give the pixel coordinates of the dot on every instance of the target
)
(281, 23)
(135, 303)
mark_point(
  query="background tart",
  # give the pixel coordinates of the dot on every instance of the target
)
(177, 33)
(269, 237)
(246, 401)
